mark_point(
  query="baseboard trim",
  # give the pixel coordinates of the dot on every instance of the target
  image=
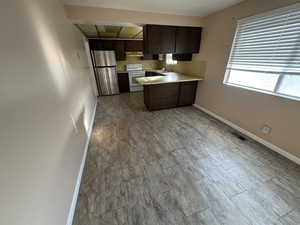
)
(251, 135)
(78, 182)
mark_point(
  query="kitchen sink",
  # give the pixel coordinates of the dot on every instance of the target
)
(153, 74)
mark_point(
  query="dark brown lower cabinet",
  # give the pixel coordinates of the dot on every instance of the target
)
(161, 96)
(169, 95)
(123, 82)
(187, 93)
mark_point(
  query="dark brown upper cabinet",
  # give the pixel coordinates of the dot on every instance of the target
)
(116, 45)
(188, 39)
(120, 50)
(159, 39)
(108, 45)
(134, 46)
(95, 44)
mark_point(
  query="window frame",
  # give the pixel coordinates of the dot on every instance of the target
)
(279, 80)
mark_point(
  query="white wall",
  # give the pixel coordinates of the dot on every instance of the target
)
(43, 83)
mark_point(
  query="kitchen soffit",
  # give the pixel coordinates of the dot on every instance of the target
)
(176, 7)
(107, 31)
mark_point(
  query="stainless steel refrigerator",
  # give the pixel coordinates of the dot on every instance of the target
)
(106, 74)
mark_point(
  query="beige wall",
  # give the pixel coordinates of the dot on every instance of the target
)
(248, 109)
(43, 83)
(195, 67)
(102, 15)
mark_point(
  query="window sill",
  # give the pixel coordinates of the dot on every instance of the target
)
(263, 91)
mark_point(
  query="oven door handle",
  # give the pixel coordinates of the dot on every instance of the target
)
(137, 73)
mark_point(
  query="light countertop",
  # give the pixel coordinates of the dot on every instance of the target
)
(167, 77)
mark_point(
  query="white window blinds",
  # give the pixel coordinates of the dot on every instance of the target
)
(268, 43)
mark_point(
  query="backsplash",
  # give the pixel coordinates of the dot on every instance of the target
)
(193, 68)
(147, 64)
(196, 67)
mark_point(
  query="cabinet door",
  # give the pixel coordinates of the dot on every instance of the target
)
(119, 47)
(95, 44)
(159, 39)
(123, 82)
(101, 45)
(107, 45)
(188, 39)
(187, 93)
(133, 46)
(161, 96)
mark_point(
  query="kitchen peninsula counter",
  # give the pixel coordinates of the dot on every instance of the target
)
(168, 90)
(167, 77)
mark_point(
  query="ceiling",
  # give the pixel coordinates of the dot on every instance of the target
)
(108, 31)
(176, 7)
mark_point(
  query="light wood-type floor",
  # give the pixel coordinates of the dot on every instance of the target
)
(180, 167)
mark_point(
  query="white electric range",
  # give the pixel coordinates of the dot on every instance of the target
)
(135, 71)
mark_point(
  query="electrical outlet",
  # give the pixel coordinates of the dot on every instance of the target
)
(266, 129)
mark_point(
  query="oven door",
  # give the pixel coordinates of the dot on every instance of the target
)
(134, 85)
